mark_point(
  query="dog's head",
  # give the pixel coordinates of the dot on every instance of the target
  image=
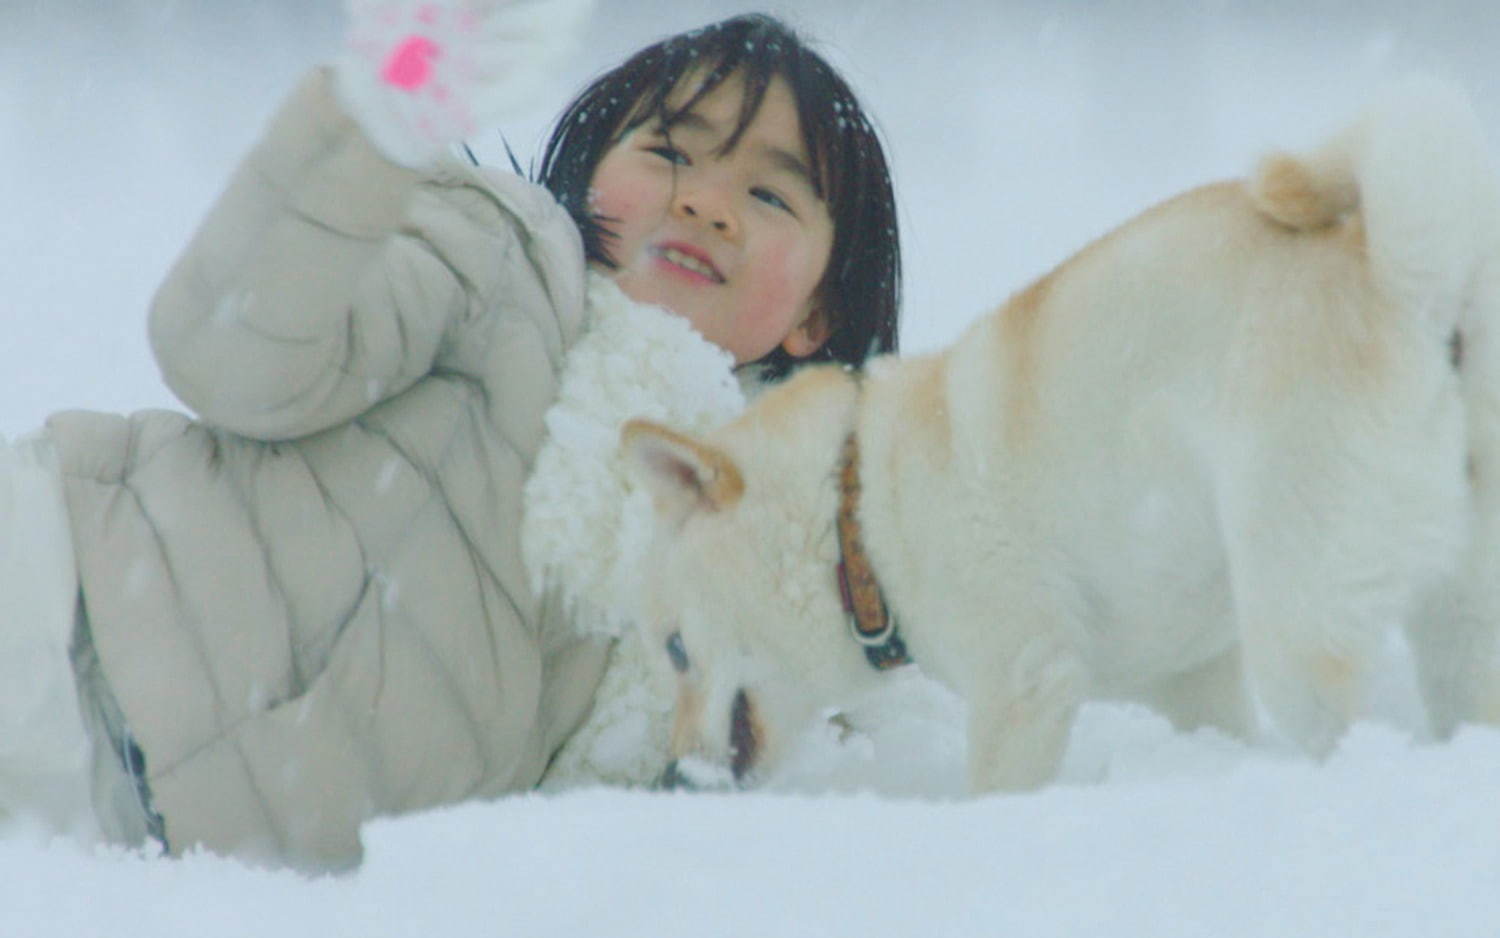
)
(739, 591)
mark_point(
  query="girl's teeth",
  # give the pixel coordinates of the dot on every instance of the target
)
(690, 262)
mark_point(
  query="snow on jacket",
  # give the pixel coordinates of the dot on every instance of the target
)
(309, 603)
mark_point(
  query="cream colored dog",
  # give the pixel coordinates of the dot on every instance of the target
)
(1241, 435)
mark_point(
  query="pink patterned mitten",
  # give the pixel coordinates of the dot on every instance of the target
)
(419, 75)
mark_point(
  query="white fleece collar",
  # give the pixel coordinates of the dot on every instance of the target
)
(584, 520)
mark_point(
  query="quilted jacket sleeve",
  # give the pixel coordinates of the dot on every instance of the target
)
(326, 278)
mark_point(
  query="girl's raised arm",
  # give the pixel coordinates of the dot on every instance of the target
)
(344, 254)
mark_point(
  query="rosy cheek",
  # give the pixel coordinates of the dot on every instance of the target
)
(784, 286)
(615, 192)
(610, 203)
(616, 215)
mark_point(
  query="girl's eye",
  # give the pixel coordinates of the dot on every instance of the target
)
(671, 154)
(771, 199)
(677, 652)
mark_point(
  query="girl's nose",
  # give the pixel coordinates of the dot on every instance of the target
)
(707, 205)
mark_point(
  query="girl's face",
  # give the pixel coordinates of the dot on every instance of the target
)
(737, 242)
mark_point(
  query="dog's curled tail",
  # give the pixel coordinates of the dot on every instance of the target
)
(1304, 193)
(1418, 172)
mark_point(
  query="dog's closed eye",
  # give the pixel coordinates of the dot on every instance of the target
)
(677, 651)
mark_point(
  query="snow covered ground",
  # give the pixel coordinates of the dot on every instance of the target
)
(1150, 834)
(1020, 129)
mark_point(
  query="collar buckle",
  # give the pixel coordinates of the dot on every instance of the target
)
(870, 620)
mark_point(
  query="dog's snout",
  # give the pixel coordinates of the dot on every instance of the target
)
(690, 773)
(742, 736)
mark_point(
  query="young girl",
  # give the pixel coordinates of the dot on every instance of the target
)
(253, 630)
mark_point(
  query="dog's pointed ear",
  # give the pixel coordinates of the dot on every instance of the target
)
(683, 474)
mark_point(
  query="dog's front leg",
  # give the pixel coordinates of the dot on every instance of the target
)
(1020, 715)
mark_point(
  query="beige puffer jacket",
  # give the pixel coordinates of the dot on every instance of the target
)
(309, 603)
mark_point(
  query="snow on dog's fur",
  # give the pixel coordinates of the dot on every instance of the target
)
(1237, 437)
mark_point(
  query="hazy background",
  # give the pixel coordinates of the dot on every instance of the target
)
(1019, 130)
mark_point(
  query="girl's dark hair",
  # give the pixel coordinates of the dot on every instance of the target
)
(860, 291)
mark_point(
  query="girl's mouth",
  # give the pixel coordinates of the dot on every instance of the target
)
(683, 260)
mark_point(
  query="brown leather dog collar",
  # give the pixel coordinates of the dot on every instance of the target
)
(870, 620)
